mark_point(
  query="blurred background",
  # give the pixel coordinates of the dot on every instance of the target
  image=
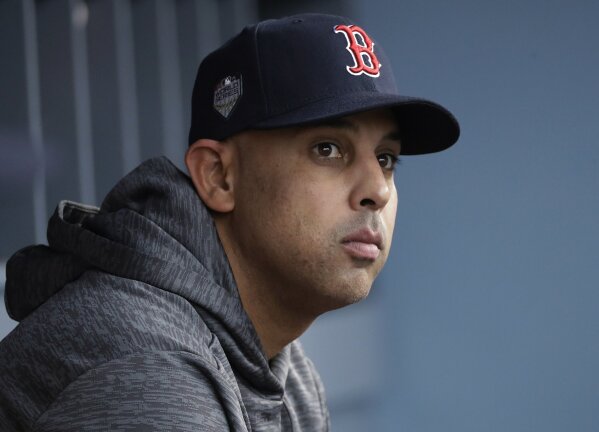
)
(486, 317)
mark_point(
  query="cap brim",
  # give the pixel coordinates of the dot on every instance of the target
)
(425, 126)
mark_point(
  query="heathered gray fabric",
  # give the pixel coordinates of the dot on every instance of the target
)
(130, 320)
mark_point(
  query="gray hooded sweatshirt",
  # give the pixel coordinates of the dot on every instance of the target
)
(130, 320)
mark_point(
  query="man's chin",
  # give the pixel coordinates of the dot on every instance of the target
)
(349, 293)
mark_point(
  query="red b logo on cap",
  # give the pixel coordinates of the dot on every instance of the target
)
(365, 61)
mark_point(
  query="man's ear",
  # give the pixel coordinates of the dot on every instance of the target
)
(210, 165)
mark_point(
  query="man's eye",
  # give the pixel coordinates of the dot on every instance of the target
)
(387, 161)
(327, 150)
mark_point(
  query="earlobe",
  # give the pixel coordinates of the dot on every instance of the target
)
(209, 163)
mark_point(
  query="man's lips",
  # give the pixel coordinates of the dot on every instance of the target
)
(363, 244)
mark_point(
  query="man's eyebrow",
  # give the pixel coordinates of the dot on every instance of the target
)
(393, 136)
(341, 123)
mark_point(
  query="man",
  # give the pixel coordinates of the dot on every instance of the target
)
(177, 304)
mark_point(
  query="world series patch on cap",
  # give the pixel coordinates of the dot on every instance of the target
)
(302, 70)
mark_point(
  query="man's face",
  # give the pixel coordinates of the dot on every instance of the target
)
(315, 208)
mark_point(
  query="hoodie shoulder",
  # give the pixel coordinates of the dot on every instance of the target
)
(98, 319)
(153, 391)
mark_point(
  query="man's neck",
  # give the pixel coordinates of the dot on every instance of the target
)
(276, 323)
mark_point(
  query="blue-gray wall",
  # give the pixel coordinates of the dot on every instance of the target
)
(486, 318)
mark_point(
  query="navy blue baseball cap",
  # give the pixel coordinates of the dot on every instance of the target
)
(305, 69)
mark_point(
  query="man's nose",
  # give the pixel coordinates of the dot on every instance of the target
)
(372, 186)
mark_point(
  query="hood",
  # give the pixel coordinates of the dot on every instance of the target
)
(151, 227)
